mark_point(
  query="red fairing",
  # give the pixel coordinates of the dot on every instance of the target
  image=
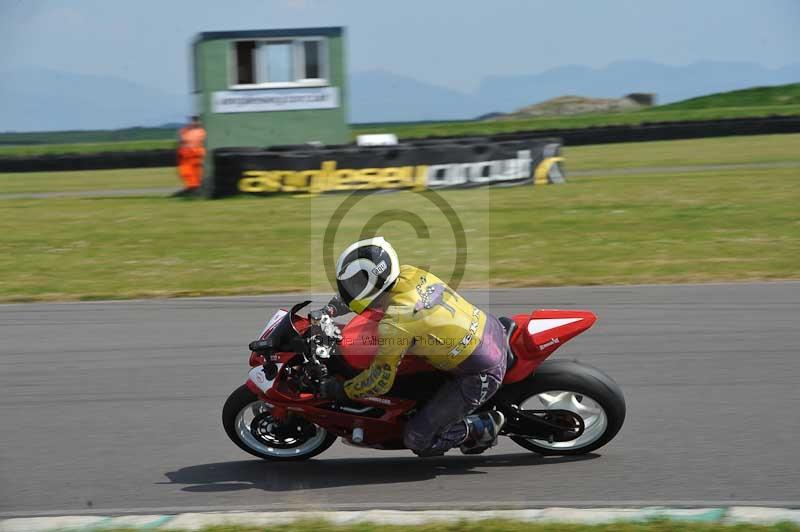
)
(256, 359)
(361, 340)
(385, 431)
(540, 333)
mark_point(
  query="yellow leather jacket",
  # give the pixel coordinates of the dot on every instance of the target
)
(425, 318)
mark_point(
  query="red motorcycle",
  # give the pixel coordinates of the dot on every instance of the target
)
(555, 407)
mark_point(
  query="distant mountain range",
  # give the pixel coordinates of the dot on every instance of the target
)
(380, 96)
(39, 100)
(45, 100)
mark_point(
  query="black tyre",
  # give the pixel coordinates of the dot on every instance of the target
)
(579, 388)
(248, 423)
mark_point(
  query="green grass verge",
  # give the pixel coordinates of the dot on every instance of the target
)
(513, 526)
(756, 96)
(698, 226)
(759, 149)
(90, 136)
(139, 178)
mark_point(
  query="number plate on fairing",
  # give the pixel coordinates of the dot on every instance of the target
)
(257, 377)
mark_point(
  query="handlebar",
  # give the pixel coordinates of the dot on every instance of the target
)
(261, 346)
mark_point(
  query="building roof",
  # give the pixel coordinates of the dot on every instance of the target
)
(328, 31)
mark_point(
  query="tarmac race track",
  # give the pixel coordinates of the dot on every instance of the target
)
(114, 407)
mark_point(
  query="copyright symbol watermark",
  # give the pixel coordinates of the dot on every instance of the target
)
(425, 229)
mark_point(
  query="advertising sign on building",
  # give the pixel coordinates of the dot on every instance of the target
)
(255, 101)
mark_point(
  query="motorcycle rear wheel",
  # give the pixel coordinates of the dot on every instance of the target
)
(248, 424)
(579, 388)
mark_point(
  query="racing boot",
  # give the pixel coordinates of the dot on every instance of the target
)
(429, 453)
(482, 432)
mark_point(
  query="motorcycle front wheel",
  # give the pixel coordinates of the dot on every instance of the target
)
(249, 424)
(578, 388)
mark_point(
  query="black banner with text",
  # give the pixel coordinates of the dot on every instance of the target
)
(455, 163)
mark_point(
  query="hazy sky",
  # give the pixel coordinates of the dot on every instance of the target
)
(452, 43)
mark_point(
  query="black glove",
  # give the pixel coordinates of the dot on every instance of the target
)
(331, 388)
(316, 315)
(335, 307)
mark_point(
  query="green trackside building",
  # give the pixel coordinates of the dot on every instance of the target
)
(262, 88)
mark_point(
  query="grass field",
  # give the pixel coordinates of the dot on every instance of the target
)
(756, 96)
(88, 147)
(715, 151)
(13, 183)
(89, 136)
(693, 226)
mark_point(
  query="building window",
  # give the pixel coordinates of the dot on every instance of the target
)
(280, 63)
(245, 67)
(278, 59)
(311, 57)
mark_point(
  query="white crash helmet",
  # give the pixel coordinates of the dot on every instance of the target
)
(365, 270)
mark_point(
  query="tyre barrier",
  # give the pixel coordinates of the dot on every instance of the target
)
(460, 163)
(571, 137)
(655, 131)
(89, 161)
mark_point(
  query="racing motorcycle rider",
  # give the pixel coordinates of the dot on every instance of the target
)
(422, 316)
